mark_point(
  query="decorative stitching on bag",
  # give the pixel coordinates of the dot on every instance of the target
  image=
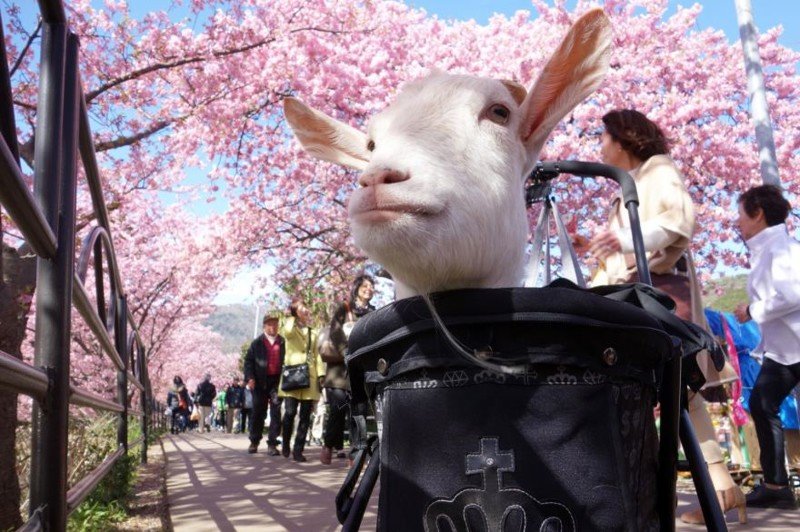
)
(458, 378)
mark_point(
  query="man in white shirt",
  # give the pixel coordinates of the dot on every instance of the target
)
(773, 287)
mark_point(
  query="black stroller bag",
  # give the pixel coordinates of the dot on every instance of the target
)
(568, 443)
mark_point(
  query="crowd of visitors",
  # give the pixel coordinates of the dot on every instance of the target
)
(289, 370)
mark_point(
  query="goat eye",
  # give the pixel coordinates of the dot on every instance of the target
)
(498, 114)
(371, 145)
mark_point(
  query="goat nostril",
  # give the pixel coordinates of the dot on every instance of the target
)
(393, 176)
(382, 177)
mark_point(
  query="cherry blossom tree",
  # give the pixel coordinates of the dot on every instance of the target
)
(197, 92)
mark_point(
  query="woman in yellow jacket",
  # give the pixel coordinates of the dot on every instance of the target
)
(301, 347)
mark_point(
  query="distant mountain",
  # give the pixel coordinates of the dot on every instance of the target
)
(234, 323)
(732, 292)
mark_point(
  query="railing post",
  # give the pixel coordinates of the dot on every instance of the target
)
(121, 342)
(55, 174)
(144, 380)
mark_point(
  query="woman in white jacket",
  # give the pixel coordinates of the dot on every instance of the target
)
(773, 287)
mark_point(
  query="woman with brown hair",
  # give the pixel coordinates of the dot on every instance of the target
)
(636, 144)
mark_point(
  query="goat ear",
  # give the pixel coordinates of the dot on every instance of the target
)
(575, 71)
(326, 138)
(518, 92)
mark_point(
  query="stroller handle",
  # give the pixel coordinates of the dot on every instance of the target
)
(546, 171)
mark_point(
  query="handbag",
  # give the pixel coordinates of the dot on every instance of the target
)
(297, 376)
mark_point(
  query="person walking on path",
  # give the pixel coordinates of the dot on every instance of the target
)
(222, 407)
(773, 288)
(235, 399)
(246, 413)
(301, 348)
(636, 144)
(179, 402)
(262, 373)
(206, 391)
(337, 383)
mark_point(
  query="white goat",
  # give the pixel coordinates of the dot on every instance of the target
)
(441, 201)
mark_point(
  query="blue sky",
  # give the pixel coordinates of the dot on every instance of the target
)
(716, 13)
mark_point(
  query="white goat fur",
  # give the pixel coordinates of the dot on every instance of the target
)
(441, 204)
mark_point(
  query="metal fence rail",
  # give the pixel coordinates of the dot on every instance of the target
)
(46, 219)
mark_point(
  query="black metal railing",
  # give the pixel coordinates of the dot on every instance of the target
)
(46, 219)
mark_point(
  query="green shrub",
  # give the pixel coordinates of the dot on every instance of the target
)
(108, 502)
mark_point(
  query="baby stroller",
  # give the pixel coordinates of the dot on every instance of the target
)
(527, 408)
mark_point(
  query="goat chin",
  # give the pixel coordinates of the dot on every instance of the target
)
(429, 253)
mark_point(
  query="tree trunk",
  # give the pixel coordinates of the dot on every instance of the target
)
(16, 291)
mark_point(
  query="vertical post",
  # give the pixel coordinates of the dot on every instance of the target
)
(758, 98)
(55, 175)
(669, 397)
(121, 342)
(255, 323)
(144, 380)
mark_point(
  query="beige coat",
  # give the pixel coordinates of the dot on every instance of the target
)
(296, 346)
(663, 199)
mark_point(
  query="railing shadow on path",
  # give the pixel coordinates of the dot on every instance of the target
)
(214, 484)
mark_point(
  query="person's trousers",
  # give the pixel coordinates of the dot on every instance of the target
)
(232, 416)
(205, 411)
(291, 406)
(338, 416)
(775, 381)
(262, 400)
(245, 419)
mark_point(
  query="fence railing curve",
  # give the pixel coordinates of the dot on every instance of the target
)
(46, 220)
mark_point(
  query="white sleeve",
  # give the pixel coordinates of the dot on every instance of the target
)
(783, 291)
(655, 237)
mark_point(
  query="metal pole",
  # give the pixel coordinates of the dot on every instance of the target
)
(669, 397)
(54, 183)
(121, 341)
(758, 97)
(255, 323)
(145, 380)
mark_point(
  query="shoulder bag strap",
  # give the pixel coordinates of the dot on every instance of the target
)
(308, 346)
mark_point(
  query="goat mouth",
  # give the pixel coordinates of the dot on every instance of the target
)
(388, 213)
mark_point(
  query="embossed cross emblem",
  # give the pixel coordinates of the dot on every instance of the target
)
(490, 462)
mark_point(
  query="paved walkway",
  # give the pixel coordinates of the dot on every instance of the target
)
(213, 484)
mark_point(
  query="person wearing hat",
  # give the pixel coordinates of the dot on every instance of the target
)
(262, 373)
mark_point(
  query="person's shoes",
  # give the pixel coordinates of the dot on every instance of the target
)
(299, 458)
(325, 455)
(285, 452)
(764, 497)
(253, 449)
(272, 450)
(341, 454)
(728, 500)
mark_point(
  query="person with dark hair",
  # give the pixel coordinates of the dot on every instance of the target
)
(262, 374)
(337, 383)
(206, 392)
(235, 400)
(636, 144)
(773, 288)
(301, 348)
(179, 401)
